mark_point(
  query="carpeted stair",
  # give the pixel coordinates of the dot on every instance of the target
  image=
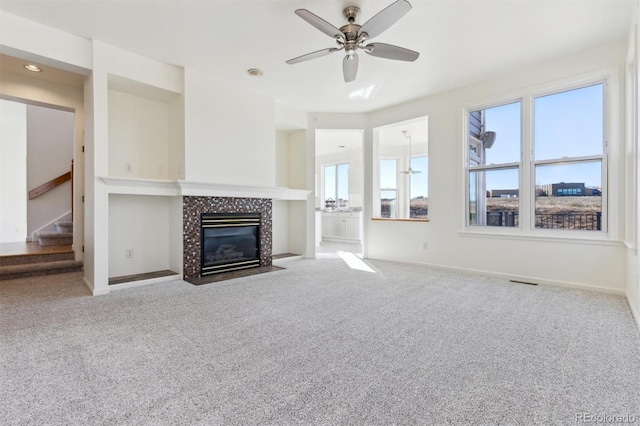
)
(62, 236)
(31, 265)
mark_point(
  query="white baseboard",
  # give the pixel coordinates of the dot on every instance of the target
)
(634, 313)
(93, 290)
(537, 280)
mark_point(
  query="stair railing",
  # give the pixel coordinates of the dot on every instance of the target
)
(54, 183)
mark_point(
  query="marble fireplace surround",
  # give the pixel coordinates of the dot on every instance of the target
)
(194, 206)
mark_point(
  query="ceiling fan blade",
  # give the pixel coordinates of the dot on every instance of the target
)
(385, 18)
(319, 23)
(389, 51)
(313, 55)
(350, 67)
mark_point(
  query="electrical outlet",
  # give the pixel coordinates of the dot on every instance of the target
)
(425, 245)
(129, 253)
(160, 170)
(128, 168)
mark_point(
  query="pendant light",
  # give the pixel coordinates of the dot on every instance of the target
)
(409, 171)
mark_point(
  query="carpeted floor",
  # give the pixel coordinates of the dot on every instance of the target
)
(317, 343)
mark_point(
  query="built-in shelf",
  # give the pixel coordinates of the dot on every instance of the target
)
(137, 186)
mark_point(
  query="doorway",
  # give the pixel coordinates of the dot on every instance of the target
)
(36, 154)
(339, 171)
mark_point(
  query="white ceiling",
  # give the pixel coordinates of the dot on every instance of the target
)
(329, 141)
(14, 65)
(460, 41)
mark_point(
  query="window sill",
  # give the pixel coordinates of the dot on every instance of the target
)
(603, 240)
(381, 219)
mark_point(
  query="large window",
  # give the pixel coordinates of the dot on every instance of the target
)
(569, 152)
(494, 165)
(336, 185)
(552, 178)
(401, 170)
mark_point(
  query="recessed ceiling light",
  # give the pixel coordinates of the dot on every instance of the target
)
(33, 68)
(255, 72)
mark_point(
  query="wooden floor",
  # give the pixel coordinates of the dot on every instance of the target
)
(140, 277)
(34, 248)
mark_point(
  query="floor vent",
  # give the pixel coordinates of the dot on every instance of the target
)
(522, 282)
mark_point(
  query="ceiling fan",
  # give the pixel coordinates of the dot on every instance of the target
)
(352, 37)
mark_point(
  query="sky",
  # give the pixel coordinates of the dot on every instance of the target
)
(567, 124)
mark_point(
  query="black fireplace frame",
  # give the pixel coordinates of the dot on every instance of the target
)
(229, 219)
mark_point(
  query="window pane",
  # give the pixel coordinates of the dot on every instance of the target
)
(569, 196)
(343, 186)
(329, 183)
(493, 197)
(569, 124)
(419, 188)
(389, 203)
(388, 173)
(504, 121)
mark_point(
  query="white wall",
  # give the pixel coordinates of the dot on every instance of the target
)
(600, 264)
(280, 227)
(297, 167)
(280, 209)
(50, 144)
(229, 133)
(146, 79)
(13, 171)
(142, 224)
(138, 136)
(633, 166)
(289, 216)
(297, 179)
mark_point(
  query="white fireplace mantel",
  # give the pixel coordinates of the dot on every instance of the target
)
(177, 188)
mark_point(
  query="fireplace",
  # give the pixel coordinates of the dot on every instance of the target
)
(229, 242)
(193, 208)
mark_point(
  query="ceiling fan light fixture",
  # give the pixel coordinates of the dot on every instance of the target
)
(409, 171)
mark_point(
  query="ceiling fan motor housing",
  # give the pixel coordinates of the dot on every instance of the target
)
(351, 13)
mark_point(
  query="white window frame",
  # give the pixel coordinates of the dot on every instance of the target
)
(527, 163)
(378, 214)
(324, 181)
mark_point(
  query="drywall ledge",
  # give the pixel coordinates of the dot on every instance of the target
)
(137, 186)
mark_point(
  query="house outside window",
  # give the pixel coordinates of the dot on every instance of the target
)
(552, 177)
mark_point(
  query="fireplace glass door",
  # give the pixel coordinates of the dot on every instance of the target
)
(229, 242)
